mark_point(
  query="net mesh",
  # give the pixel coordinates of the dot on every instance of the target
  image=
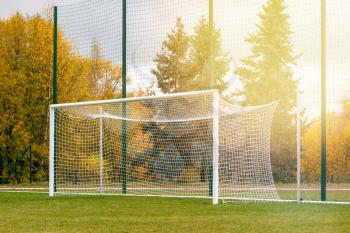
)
(85, 26)
(91, 24)
(169, 148)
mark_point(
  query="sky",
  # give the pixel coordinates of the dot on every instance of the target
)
(150, 21)
(9, 7)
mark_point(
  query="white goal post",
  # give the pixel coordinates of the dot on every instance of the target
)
(192, 144)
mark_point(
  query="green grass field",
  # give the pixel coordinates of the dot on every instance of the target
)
(35, 212)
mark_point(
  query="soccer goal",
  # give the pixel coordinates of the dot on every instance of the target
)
(192, 144)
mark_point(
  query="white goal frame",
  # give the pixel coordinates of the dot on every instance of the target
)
(215, 125)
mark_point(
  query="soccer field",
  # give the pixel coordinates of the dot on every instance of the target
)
(36, 212)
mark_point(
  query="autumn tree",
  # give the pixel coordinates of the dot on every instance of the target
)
(14, 132)
(338, 141)
(26, 90)
(105, 77)
(266, 75)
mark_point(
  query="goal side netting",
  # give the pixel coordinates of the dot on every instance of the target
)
(178, 145)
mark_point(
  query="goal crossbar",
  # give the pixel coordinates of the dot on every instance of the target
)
(132, 99)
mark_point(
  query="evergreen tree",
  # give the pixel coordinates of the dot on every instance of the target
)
(266, 76)
(183, 62)
(183, 65)
(199, 59)
(172, 69)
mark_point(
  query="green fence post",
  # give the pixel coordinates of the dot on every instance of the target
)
(323, 103)
(54, 84)
(124, 96)
(211, 79)
(30, 165)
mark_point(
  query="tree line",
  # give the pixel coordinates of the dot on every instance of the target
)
(182, 64)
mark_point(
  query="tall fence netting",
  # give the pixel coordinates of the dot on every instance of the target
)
(93, 30)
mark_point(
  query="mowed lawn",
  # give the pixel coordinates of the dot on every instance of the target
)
(35, 212)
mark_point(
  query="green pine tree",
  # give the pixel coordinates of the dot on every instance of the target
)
(199, 59)
(172, 69)
(183, 65)
(266, 76)
(183, 62)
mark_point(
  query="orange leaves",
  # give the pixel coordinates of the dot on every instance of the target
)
(338, 139)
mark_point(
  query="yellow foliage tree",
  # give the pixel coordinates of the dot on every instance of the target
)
(26, 53)
(338, 159)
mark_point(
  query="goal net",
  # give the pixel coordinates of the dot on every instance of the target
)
(191, 144)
